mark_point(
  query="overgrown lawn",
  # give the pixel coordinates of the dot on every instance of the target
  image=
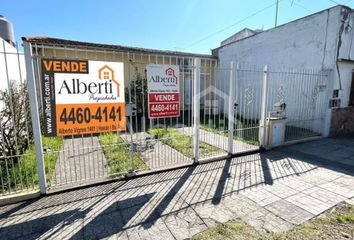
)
(21, 173)
(182, 142)
(117, 153)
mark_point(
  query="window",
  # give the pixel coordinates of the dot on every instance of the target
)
(185, 64)
(105, 75)
(351, 98)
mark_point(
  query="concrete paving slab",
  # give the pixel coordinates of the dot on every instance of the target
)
(264, 220)
(289, 212)
(308, 203)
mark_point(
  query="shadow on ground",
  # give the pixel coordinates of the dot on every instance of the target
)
(144, 205)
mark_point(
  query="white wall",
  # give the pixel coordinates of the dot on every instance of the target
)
(308, 43)
(13, 65)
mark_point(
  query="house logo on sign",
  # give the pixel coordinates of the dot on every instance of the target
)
(106, 73)
(164, 77)
(170, 72)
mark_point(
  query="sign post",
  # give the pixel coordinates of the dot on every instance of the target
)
(32, 90)
(163, 91)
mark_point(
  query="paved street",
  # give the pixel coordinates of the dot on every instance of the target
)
(272, 191)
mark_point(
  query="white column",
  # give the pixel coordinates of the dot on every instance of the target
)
(231, 115)
(263, 128)
(196, 108)
(31, 83)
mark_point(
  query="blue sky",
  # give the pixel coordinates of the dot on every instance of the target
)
(180, 25)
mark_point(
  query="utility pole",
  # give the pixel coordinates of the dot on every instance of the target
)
(276, 13)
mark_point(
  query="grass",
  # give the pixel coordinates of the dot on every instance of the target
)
(249, 136)
(247, 130)
(117, 153)
(227, 231)
(337, 223)
(22, 173)
(182, 142)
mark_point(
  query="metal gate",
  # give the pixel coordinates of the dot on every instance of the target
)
(224, 111)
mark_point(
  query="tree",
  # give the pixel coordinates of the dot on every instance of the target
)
(138, 92)
(15, 121)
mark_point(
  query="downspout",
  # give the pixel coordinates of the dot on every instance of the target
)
(339, 44)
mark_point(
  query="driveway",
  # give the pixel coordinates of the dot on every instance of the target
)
(272, 191)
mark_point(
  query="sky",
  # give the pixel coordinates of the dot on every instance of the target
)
(179, 25)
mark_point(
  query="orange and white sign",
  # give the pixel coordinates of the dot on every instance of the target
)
(82, 97)
(163, 90)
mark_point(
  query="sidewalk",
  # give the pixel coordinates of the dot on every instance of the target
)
(79, 159)
(272, 191)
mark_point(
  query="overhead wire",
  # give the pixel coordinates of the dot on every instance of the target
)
(232, 25)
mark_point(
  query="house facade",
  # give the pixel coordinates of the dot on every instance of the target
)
(135, 61)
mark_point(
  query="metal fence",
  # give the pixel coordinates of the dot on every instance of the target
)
(18, 168)
(304, 94)
(224, 111)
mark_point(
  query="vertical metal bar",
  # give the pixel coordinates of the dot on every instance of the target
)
(5, 158)
(143, 79)
(130, 119)
(196, 109)
(23, 107)
(231, 109)
(263, 127)
(35, 117)
(10, 86)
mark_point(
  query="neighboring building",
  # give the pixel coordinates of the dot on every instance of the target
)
(321, 41)
(12, 63)
(244, 33)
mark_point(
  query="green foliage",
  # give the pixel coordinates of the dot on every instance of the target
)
(157, 133)
(23, 173)
(136, 91)
(249, 136)
(346, 218)
(15, 121)
(117, 153)
(182, 142)
(228, 230)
